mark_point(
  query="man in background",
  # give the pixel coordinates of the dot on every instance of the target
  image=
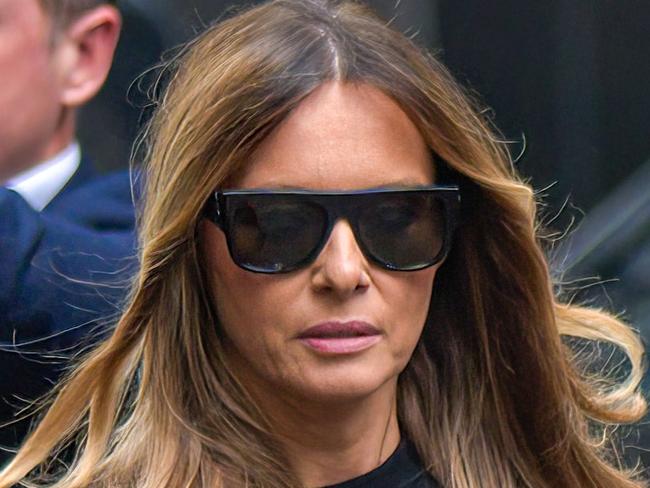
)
(54, 57)
(66, 240)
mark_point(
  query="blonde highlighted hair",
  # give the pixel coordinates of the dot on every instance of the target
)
(491, 396)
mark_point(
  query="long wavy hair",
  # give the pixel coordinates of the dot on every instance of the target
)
(492, 396)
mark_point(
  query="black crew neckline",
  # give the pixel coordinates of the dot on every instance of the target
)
(402, 468)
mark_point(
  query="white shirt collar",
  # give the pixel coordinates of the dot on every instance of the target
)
(41, 183)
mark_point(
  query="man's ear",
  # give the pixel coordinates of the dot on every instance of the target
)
(84, 54)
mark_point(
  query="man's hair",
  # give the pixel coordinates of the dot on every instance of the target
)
(63, 12)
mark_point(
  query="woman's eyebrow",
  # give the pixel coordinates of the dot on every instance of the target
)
(403, 183)
(399, 183)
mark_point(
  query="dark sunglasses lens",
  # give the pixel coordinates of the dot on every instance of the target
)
(404, 231)
(274, 233)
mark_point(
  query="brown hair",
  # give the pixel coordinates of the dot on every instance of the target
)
(491, 396)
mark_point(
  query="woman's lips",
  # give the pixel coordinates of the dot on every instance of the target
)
(340, 337)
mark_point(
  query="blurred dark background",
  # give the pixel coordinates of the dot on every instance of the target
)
(567, 82)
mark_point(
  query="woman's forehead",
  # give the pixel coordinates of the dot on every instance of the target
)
(343, 135)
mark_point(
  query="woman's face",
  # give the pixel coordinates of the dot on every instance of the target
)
(342, 137)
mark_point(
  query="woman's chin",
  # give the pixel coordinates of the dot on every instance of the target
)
(345, 385)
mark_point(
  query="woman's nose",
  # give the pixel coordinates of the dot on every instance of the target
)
(341, 268)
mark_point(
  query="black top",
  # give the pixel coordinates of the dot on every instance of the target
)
(403, 469)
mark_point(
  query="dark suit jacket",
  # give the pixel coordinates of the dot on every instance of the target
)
(102, 203)
(64, 274)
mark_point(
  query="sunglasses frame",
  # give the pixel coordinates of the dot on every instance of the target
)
(336, 205)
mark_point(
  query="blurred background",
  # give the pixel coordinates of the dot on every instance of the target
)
(566, 80)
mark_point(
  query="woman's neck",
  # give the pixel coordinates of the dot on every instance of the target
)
(331, 442)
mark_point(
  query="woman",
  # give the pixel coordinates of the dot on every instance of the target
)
(303, 317)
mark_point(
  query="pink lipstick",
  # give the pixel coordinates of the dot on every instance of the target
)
(340, 337)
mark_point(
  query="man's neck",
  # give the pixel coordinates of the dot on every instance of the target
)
(29, 157)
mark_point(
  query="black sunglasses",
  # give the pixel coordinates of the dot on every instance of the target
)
(277, 231)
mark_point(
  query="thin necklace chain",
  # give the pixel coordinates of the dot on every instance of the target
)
(383, 440)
